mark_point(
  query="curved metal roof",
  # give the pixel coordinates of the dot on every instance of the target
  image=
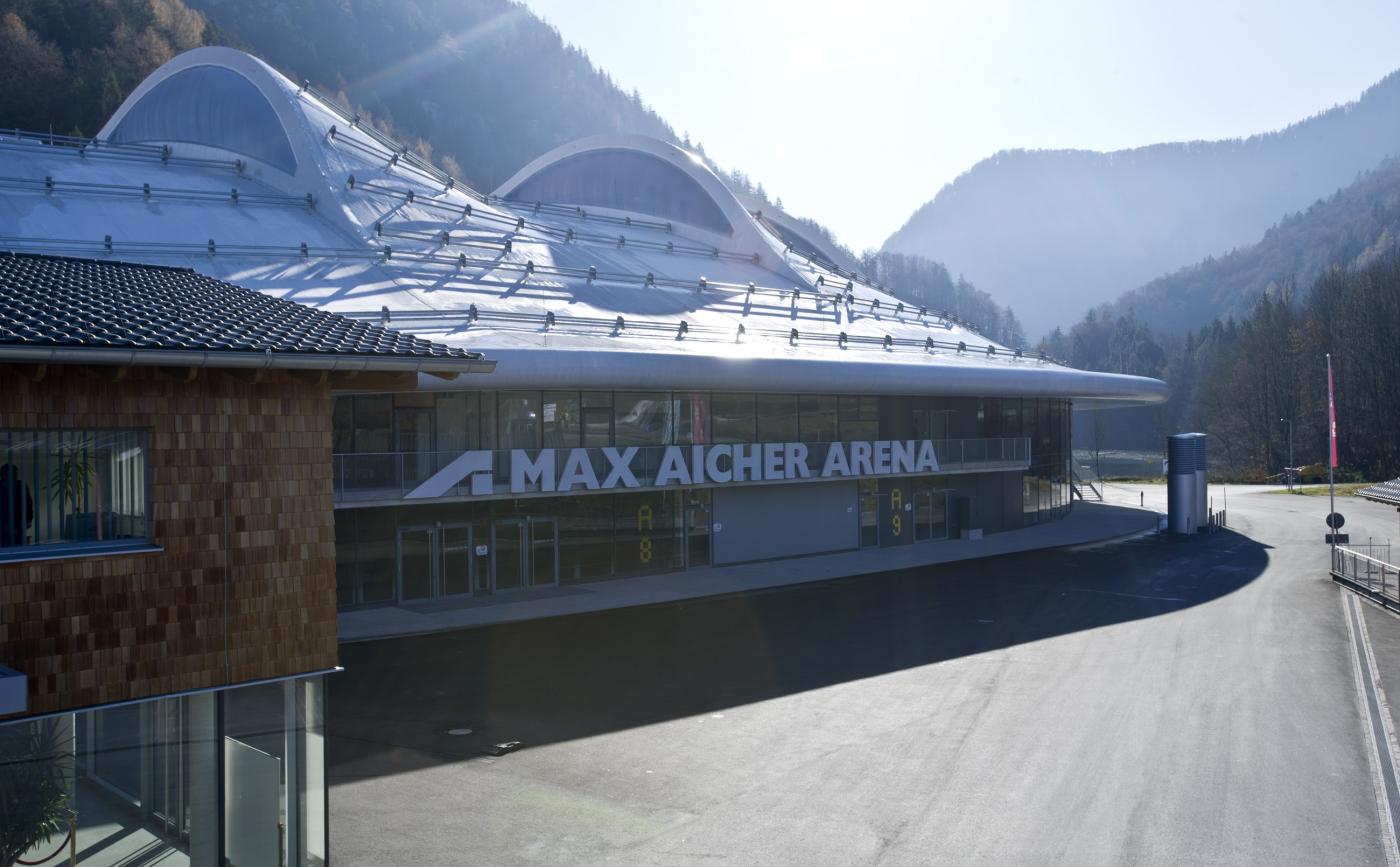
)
(558, 292)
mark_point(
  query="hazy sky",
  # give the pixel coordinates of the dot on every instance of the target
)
(857, 113)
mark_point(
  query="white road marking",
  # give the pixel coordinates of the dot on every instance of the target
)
(1374, 711)
(1128, 595)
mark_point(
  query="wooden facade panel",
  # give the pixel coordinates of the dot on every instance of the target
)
(240, 500)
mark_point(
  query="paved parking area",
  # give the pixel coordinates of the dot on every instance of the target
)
(1154, 702)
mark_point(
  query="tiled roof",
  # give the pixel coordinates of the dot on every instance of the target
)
(1385, 492)
(56, 301)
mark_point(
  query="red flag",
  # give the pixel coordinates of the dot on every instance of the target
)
(1331, 412)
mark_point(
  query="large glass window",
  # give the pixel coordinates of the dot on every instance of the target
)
(642, 419)
(456, 421)
(732, 418)
(518, 420)
(72, 489)
(142, 783)
(597, 413)
(818, 418)
(860, 417)
(562, 421)
(777, 418)
(372, 433)
(692, 413)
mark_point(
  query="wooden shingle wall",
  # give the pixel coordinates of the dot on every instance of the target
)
(241, 503)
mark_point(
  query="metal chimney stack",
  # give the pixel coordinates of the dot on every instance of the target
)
(1182, 499)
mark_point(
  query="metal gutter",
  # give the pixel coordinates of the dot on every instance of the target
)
(334, 362)
(222, 687)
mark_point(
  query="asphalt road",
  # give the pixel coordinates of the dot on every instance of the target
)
(1147, 702)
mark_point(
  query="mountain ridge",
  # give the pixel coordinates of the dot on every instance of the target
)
(1054, 232)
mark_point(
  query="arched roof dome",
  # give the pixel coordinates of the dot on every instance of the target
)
(209, 105)
(638, 175)
(226, 101)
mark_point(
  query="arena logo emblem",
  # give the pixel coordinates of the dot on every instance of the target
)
(581, 469)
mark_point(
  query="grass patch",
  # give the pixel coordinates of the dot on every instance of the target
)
(1344, 489)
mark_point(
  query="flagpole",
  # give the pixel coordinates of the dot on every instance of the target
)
(1332, 456)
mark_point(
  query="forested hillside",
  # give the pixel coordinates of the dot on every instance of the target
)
(66, 65)
(1055, 232)
(924, 283)
(1354, 227)
(1236, 379)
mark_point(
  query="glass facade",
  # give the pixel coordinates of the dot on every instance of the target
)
(146, 782)
(71, 490)
(411, 552)
(213, 106)
(456, 421)
(625, 180)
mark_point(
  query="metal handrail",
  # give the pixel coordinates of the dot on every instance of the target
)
(1372, 574)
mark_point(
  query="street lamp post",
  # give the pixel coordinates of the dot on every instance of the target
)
(1288, 470)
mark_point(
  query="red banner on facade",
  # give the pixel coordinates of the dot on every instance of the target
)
(1331, 413)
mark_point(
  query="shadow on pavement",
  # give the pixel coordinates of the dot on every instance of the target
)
(546, 681)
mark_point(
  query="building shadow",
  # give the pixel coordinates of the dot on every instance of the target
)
(558, 679)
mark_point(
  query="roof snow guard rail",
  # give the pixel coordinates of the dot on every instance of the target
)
(677, 329)
(520, 224)
(232, 195)
(390, 145)
(407, 261)
(83, 148)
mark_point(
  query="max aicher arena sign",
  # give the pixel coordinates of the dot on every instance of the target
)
(563, 470)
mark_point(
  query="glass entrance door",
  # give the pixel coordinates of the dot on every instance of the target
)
(415, 563)
(697, 535)
(930, 515)
(544, 552)
(508, 554)
(455, 558)
(869, 517)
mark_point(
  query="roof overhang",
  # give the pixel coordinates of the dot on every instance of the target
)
(318, 361)
(645, 371)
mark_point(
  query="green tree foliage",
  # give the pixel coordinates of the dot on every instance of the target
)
(1235, 379)
(66, 65)
(924, 283)
(1354, 227)
(488, 84)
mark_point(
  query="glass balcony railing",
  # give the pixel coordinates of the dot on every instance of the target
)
(389, 476)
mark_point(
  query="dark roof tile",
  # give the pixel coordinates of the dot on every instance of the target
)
(62, 301)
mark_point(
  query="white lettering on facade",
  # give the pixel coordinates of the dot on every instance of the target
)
(562, 470)
(748, 462)
(902, 456)
(673, 468)
(773, 462)
(712, 467)
(836, 464)
(860, 459)
(882, 458)
(578, 470)
(525, 472)
(796, 456)
(621, 467)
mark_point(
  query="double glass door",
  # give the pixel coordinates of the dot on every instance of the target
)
(524, 553)
(930, 515)
(435, 561)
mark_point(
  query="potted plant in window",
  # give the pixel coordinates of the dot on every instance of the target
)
(33, 788)
(74, 478)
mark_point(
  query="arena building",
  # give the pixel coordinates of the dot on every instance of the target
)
(681, 381)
